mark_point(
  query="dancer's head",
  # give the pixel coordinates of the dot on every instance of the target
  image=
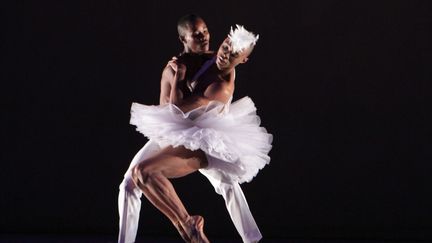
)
(236, 48)
(193, 33)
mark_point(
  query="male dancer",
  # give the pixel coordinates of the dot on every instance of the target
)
(195, 37)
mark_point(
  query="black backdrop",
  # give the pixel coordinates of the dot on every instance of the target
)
(342, 85)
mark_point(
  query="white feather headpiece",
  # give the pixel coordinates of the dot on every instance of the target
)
(241, 38)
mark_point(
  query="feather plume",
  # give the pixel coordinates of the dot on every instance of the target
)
(241, 38)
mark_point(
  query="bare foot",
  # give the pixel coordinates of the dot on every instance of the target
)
(194, 229)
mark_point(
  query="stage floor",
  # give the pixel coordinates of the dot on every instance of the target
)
(112, 239)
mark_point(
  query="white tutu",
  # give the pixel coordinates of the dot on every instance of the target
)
(229, 134)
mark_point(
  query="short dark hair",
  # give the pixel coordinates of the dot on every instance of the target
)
(184, 23)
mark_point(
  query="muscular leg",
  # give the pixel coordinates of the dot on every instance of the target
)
(152, 174)
(129, 198)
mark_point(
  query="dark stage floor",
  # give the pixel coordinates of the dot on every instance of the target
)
(112, 239)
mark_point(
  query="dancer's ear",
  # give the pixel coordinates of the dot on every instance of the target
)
(182, 39)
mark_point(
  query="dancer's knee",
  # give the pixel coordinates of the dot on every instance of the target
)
(142, 173)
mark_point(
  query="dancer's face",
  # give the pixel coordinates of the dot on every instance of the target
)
(197, 37)
(227, 59)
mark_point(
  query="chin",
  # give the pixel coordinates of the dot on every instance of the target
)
(221, 66)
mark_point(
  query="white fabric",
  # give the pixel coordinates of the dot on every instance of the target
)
(129, 203)
(236, 205)
(235, 146)
(230, 133)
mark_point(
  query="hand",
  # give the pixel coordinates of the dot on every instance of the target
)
(178, 68)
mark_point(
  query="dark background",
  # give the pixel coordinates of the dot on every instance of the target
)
(342, 85)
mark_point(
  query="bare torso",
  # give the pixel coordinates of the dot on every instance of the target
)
(189, 94)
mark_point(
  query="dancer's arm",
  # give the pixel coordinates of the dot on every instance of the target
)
(171, 74)
(166, 81)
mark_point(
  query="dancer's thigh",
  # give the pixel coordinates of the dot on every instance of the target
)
(175, 162)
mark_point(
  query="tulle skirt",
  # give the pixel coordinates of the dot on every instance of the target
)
(229, 134)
